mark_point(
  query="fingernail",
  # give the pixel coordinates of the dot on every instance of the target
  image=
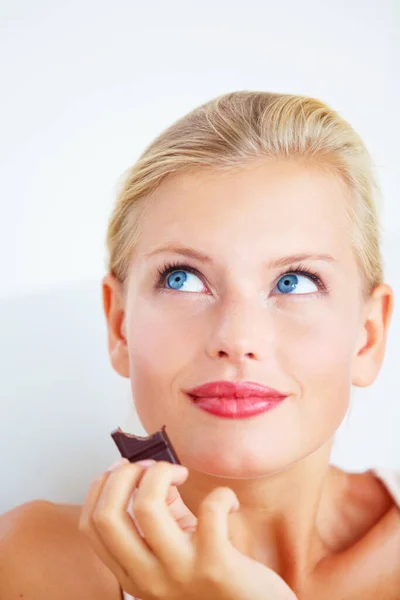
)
(145, 463)
(118, 463)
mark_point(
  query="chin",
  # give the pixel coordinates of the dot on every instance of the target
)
(238, 465)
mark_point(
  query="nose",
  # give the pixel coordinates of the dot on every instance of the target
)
(241, 332)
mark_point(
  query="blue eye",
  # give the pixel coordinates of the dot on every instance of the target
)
(290, 282)
(177, 279)
(294, 282)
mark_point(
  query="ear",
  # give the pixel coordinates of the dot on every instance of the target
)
(371, 343)
(114, 310)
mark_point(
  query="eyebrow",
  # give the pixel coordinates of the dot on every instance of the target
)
(273, 263)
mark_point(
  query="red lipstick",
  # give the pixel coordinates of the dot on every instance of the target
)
(235, 400)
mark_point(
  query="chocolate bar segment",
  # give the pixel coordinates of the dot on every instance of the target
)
(156, 446)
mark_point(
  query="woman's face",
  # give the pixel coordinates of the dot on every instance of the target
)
(237, 316)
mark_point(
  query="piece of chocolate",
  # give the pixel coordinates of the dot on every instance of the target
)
(156, 446)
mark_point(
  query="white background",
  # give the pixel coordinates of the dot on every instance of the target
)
(85, 86)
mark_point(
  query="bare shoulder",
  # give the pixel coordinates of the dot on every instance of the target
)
(372, 558)
(44, 556)
(374, 503)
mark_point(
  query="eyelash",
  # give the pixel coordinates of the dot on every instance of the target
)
(170, 267)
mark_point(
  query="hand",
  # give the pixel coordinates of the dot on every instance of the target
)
(169, 563)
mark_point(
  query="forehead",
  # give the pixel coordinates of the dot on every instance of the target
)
(273, 206)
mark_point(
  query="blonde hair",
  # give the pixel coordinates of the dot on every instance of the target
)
(231, 130)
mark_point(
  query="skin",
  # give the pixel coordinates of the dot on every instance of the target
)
(230, 321)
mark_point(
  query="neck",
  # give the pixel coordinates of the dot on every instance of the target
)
(282, 516)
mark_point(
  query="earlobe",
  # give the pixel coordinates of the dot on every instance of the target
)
(120, 358)
(371, 348)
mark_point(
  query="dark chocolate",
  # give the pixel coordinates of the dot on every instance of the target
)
(156, 446)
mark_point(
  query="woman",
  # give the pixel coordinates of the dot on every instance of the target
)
(243, 249)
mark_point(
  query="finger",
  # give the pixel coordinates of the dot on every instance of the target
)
(115, 526)
(87, 528)
(113, 533)
(178, 509)
(91, 498)
(168, 542)
(212, 534)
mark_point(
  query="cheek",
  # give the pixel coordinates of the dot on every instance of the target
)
(160, 339)
(319, 338)
(159, 348)
(319, 360)
(323, 350)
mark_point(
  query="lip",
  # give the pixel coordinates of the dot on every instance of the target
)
(232, 400)
(235, 390)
